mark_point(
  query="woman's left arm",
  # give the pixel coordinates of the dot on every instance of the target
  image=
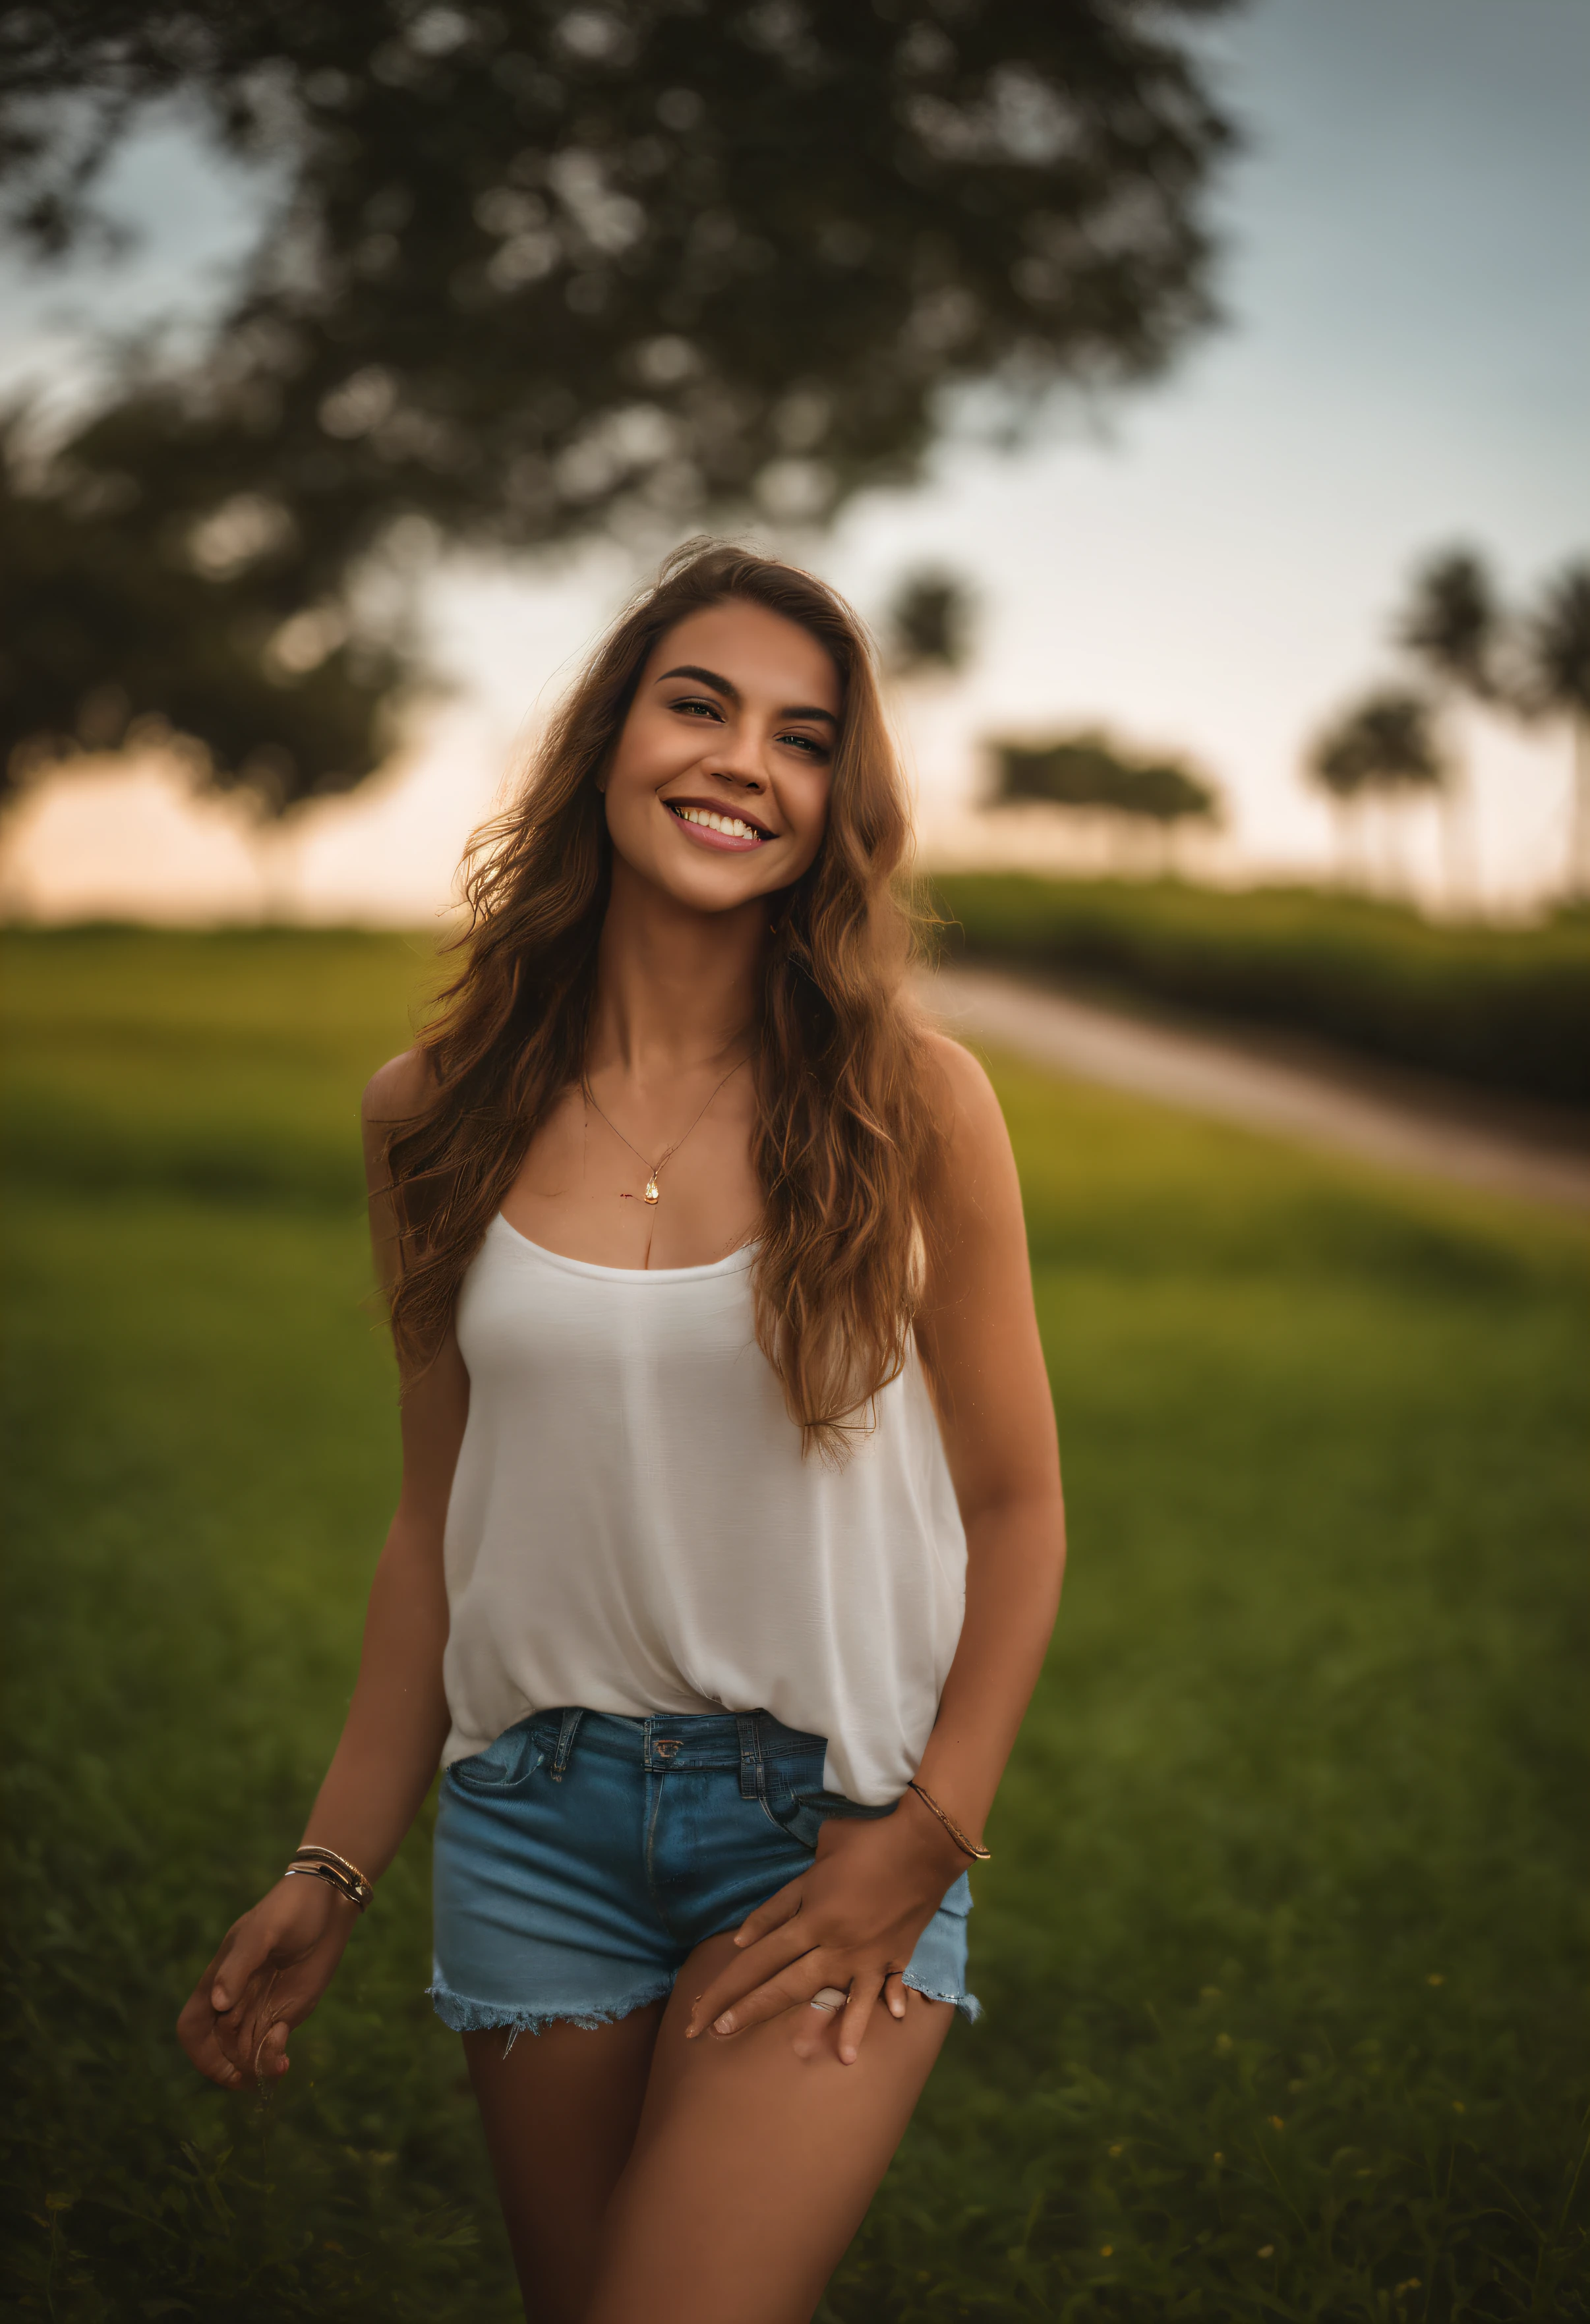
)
(853, 1919)
(978, 1334)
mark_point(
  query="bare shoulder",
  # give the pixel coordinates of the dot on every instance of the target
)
(396, 1089)
(977, 1251)
(961, 1096)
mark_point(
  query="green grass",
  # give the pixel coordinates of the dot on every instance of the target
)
(1282, 1944)
(1510, 1007)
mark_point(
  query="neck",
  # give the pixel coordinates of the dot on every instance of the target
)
(676, 989)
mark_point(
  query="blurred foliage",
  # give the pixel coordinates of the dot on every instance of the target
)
(1557, 648)
(1280, 1945)
(1452, 623)
(1089, 771)
(1555, 683)
(1385, 742)
(111, 638)
(1505, 1006)
(536, 268)
(930, 618)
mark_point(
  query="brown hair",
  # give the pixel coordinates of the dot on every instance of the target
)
(844, 1141)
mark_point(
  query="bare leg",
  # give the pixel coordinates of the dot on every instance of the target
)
(753, 2166)
(560, 2110)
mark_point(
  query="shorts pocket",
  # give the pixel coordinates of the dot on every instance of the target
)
(802, 1812)
(504, 1766)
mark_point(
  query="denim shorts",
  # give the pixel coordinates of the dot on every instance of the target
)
(580, 1856)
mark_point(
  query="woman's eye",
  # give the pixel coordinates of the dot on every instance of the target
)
(811, 744)
(693, 708)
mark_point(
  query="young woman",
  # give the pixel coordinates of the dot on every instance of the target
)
(730, 1537)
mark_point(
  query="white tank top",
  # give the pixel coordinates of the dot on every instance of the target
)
(633, 1528)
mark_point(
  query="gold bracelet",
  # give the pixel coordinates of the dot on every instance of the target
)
(331, 1878)
(327, 1865)
(337, 1868)
(967, 1848)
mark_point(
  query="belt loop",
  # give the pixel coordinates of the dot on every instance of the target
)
(753, 1771)
(566, 1735)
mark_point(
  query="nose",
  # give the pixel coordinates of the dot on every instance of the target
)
(742, 779)
(738, 760)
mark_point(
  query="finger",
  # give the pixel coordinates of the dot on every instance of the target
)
(894, 1993)
(857, 2015)
(774, 1953)
(270, 2058)
(196, 2030)
(242, 2028)
(781, 1906)
(817, 2027)
(793, 1988)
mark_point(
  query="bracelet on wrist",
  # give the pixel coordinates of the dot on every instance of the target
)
(967, 1847)
(313, 1863)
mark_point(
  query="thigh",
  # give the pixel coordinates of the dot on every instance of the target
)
(560, 2109)
(753, 2166)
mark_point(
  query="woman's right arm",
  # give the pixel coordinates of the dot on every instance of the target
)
(277, 1961)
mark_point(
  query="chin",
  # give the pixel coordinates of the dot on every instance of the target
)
(708, 888)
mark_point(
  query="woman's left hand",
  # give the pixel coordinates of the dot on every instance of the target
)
(852, 1921)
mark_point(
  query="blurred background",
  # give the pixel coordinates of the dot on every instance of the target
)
(1192, 414)
(1192, 396)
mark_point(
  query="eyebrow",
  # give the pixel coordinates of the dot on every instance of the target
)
(732, 691)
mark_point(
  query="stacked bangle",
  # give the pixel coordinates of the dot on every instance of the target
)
(310, 1863)
(967, 1847)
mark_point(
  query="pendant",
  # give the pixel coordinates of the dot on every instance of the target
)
(653, 1193)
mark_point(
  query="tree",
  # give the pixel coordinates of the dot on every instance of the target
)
(108, 636)
(1089, 771)
(539, 267)
(929, 625)
(1452, 625)
(1384, 746)
(1555, 683)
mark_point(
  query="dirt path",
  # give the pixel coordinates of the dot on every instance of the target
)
(1446, 1132)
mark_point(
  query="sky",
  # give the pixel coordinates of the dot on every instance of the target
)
(1405, 364)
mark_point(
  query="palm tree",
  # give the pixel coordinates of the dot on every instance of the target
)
(1452, 625)
(1384, 745)
(1557, 685)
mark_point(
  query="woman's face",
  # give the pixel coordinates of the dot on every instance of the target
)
(718, 789)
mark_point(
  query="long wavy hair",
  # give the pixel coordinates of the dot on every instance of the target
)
(844, 1144)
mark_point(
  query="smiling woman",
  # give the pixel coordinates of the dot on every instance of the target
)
(730, 1535)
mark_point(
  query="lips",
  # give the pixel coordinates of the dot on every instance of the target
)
(719, 828)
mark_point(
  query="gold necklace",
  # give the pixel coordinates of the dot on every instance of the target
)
(654, 1194)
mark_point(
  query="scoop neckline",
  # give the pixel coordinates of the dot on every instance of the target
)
(736, 1260)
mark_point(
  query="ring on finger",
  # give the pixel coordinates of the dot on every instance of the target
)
(828, 1997)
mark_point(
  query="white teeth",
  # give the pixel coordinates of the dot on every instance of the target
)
(729, 825)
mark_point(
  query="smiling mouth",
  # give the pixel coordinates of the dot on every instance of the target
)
(726, 827)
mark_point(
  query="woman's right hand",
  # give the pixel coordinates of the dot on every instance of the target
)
(272, 1966)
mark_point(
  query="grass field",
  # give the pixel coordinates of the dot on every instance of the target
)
(1282, 1946)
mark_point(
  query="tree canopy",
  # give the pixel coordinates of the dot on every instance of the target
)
(536, 268)
(1555, 683)
(930, 622)
(1557, 648)
(1385, 742)
(1089, 771)
(1453, 622)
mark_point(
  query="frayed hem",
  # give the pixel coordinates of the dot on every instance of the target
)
(970, 2007)
(462, 2015)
